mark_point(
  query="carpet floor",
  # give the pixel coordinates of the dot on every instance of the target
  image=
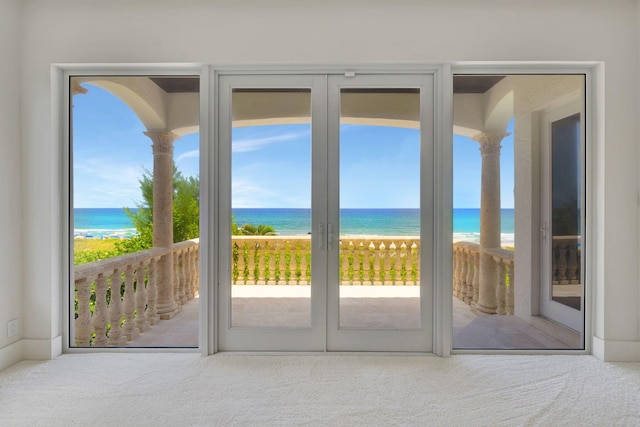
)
(169, 389)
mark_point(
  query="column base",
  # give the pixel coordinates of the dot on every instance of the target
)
(167, 311)
(487, 310)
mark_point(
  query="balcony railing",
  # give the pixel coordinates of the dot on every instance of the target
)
(565, 260)
(466, 275)
(268, 260)
(103, 320)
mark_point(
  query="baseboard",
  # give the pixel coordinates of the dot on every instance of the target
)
(42, 349)
(616, 351)
(11, 354)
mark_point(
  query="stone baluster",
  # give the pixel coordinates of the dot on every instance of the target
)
(190, 287)
(510, 276)
(476, 277)
(555, 258)
(562, 263)
(195, 266)
(176, 280)
(182, 275)
(462, 274)
(457, 270)
(454, 278)
(344, 267)
(471, 268)
(100, 318)
(116, 337)
(501, 290)
(152, 293)
(83, 321)
(403, 263)
(142, 323)
(370, 261)
(573, 275)
(382, 264)
(130, 329)
(394, 267)
(415, 258)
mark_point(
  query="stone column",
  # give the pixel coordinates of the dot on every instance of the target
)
(166, 306)
(489, 218)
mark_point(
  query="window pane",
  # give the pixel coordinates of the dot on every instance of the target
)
(271, 207)
(379, 209)
(135, 210)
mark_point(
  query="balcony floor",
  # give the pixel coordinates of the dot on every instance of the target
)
(470, 330)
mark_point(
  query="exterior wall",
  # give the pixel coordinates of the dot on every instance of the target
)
(225, 32)
(10, 189)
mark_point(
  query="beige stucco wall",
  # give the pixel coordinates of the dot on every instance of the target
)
(324, 32)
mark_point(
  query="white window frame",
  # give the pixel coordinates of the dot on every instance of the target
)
(443, 179)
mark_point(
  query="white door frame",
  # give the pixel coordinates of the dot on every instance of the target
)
(292, 339)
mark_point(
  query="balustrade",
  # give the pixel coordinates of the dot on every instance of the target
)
(268, 260)
(116, 297)
(466, 263)
(565, 260)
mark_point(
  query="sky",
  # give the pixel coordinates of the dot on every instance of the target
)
(379, 166)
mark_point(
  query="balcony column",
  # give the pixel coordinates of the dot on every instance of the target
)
(166, 306)
(489, 218)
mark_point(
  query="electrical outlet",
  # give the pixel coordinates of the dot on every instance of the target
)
(12, 327)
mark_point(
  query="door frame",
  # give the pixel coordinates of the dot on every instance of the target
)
(440, 248)
(365, 339)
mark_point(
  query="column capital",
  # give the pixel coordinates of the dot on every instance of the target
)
(490, 142)
(162, 141)
(77, 89)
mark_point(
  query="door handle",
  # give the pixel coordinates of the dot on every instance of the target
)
(321, 234)
(330, 237)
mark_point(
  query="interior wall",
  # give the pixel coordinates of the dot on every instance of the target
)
(10, 188)
(334, 32)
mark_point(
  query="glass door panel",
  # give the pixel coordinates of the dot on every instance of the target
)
(272, 276)
(271, 208)
(563, 290)
(379, 151)
(379, 209)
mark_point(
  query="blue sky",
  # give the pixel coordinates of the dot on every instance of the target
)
(379, 165)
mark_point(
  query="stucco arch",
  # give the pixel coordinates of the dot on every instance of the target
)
(156, 109)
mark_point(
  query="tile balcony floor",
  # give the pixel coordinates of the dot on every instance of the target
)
(471, 330)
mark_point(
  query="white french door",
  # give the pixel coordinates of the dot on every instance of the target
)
(311, 155)
(563, 216)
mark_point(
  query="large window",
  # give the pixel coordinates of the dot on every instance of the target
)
(518, 167)
(135, 211)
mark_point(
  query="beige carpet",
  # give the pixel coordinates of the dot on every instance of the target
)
(334, 390)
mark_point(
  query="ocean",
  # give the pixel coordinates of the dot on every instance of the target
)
(114, 223)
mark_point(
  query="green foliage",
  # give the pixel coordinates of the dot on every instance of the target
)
(186, 212)
(245, 260)
(276, 264)
(267, 262)
(252, 230)
(235, 255)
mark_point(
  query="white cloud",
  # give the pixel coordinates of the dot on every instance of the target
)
(188, 155)
(254, 144)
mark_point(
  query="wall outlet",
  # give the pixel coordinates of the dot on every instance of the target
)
(12, 327)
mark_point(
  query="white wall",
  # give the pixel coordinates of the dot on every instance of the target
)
(332, 31)
(10, 189)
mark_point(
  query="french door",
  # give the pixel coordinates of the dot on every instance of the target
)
(563, 216)
(325, 212)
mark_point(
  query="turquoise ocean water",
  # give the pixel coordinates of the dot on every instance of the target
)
(108, 222)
